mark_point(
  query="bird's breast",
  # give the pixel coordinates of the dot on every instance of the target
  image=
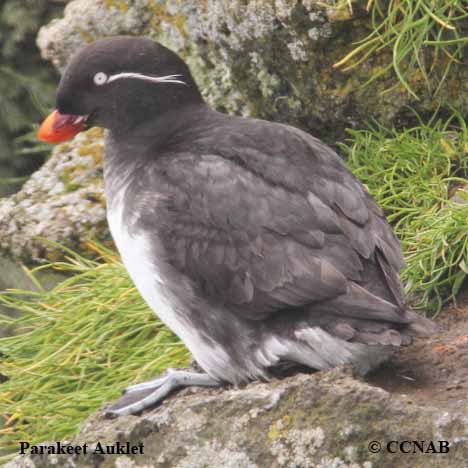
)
(136, 249)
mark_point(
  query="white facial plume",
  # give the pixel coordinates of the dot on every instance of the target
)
(101, 78)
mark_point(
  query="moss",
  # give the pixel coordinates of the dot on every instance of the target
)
(95, 150)
(64, 147)
(121, 5)
(86, 36)
(341, 11)
(280, 428)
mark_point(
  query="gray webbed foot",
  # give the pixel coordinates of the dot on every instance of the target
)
(141, 396)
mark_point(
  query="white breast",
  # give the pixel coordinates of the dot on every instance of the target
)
(138, 257)
(136, 254)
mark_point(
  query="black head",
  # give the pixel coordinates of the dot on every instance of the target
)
(123, 80)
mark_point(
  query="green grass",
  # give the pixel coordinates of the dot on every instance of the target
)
(424, 35)
(81, 343)
(79, 346)
(413, 174)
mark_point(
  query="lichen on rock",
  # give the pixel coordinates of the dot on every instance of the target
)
(63, 202)
(302, 421)
(88, 20)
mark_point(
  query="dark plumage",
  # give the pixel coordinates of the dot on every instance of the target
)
(250, 239)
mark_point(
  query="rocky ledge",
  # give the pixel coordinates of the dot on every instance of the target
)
(325, 419)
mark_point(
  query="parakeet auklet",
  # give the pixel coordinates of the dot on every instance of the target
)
(249, 239)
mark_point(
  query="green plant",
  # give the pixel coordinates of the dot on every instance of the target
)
(412, 175)
(77, 347)
(424, 35)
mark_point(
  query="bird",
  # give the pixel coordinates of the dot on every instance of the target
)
(250, 239)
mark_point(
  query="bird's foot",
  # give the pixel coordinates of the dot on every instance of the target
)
(138, 397)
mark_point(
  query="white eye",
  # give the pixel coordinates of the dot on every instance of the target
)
(100, 78)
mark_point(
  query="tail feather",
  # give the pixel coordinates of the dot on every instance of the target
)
(392, 279)
(378, 332)
(360, 303)
(420, 326)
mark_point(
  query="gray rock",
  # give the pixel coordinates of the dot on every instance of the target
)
(61, 203)
(325, 420)
(87, 20)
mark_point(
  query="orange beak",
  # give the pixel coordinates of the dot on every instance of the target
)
(59, 127)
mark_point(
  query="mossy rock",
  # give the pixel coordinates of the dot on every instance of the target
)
(326, 420)
(61, 203)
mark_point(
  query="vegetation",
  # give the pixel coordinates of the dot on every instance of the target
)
(413, 174)
(423, 35)
(77, 347)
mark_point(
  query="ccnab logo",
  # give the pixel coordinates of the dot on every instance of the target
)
(418, 446)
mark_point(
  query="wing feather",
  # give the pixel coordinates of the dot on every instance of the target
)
(262, 233)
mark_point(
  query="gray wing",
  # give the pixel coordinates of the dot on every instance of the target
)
(261, 234)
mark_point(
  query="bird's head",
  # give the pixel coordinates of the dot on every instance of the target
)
(117, 83)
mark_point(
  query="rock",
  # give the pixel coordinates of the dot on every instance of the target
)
(323, 420)
(88, 20)
(272, 59)
(61, 203)
(460, 194)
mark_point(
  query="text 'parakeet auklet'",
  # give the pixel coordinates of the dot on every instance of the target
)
(250, 239)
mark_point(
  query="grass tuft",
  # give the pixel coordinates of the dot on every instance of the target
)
(423, 35)
(413, 174)
(78, 346)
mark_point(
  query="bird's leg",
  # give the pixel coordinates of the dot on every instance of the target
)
(141, 396)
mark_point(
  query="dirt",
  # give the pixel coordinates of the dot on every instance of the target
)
(432, 371)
